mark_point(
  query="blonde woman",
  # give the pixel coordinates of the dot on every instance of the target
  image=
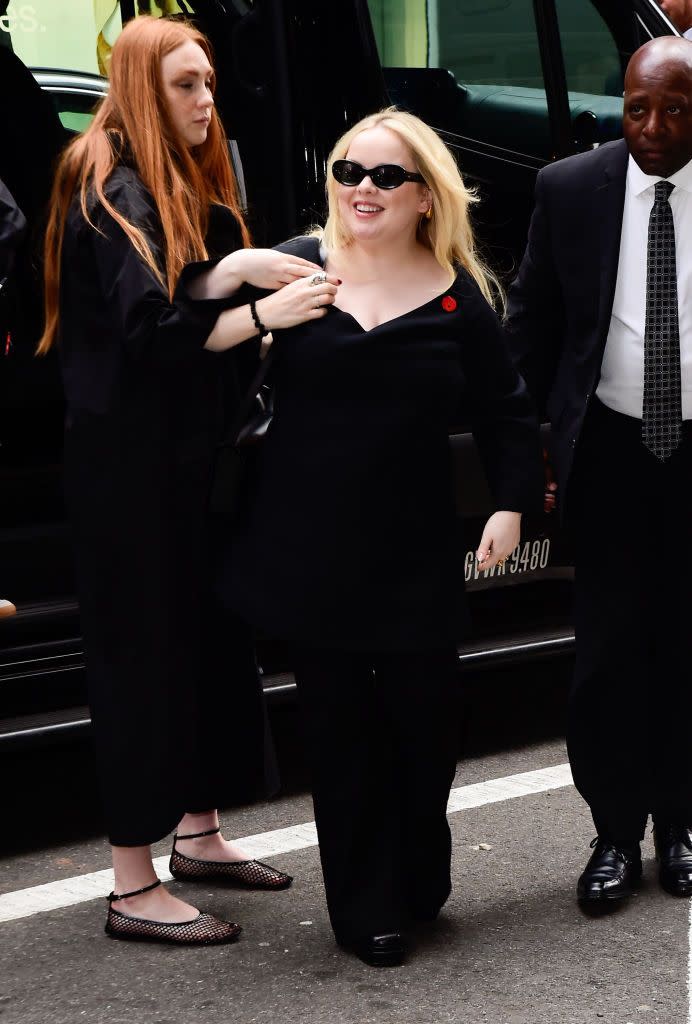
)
(351, 547)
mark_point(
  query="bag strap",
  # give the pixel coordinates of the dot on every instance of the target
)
(246, 402)
(307, 246)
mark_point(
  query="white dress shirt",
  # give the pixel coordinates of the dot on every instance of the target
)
(688, 34)
(621, 386)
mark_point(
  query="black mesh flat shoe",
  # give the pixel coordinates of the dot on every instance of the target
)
(203, 930)
(245, 874)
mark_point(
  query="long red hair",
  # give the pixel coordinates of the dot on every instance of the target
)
(183, 182)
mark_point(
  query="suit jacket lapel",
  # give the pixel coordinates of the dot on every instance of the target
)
(610, 204)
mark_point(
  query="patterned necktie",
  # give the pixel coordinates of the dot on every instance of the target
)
(662, 409)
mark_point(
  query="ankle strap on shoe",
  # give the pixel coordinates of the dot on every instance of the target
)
(198, 835)
(112, 898)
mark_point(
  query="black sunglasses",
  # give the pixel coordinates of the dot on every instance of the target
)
(348, 172)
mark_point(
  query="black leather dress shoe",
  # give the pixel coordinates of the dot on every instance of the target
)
(673, 845)
(612, 872)
(387, 950)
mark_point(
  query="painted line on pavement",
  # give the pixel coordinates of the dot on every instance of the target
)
(689, 970)
(81, 888)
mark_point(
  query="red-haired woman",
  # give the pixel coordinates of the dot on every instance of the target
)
(146, 252)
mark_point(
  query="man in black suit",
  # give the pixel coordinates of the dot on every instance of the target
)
(600, 324)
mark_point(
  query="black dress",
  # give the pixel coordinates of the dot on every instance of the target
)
(348, 545)
(175, 697)
(349, 537)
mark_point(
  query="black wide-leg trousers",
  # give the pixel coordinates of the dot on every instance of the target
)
(381, 734)
(630, 710)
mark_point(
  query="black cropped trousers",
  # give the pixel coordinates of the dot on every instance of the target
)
(631, 703)
(381, 735)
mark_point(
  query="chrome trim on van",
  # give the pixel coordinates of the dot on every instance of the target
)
(54, 80)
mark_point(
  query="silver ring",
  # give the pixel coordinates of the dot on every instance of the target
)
(319, 278)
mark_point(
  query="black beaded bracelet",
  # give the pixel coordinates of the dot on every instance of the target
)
(263, 331)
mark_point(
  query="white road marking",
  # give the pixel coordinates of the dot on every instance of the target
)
(68, 891)
(689, 969)
(464, 797)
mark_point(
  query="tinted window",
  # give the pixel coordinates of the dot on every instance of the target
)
(592, 59)
(488, 49)
(488, 42)
(598, 39)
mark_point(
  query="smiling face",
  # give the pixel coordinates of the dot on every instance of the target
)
(370, 213)
(657, 120)
(186, 77)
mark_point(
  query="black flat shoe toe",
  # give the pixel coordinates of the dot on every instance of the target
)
(387, 950)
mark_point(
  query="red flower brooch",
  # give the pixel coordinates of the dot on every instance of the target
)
(449, 304)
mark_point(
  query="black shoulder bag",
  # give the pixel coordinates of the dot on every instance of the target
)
(248, 427)
(253, 416)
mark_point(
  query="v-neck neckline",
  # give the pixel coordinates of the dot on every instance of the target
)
(399, 316)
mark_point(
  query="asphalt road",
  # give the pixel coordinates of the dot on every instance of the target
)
(511, 947)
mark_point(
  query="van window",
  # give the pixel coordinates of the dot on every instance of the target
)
(592, 60)
(598, 39)
(489, 52)
(487, 42)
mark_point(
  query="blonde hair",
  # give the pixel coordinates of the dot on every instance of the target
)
(448, 233)
(183, 183)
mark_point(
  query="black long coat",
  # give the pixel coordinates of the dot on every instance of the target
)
(349, 538)
(175, 698)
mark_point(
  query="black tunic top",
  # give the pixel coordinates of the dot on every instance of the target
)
(349, 537)
(143, 418)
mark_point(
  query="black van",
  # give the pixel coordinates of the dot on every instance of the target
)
(510, 85)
